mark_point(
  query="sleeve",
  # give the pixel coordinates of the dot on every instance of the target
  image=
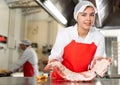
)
(57, 50)
(21, 61)
(100, 47)
(100, 52)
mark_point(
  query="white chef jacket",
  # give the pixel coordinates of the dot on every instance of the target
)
(65, 36)
(28, 55)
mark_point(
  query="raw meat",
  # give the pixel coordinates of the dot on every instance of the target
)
(69, 75)
(99, 68)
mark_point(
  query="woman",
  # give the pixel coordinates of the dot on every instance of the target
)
(77, 46)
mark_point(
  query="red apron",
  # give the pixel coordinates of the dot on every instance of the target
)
(28, 70)
(77, 57)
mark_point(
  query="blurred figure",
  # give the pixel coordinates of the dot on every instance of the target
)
(28, 61)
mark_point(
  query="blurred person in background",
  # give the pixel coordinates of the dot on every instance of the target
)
(28, 61)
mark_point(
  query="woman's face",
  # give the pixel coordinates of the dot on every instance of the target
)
(86, 18)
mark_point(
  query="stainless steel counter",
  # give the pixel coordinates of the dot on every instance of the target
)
(32, 81)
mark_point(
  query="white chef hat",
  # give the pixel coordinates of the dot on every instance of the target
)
(80, 7)
(25, 42)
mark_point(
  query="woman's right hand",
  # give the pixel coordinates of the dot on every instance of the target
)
(49, 67)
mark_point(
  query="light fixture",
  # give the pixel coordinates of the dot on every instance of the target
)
(54, 11)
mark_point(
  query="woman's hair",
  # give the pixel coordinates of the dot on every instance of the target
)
(80, 7)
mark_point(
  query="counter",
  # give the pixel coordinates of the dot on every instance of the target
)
(32, 81)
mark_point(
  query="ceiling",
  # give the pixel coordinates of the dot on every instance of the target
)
(21, 3)
(66, 7)
(106, 8)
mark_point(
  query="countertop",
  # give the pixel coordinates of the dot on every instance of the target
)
(33, 81)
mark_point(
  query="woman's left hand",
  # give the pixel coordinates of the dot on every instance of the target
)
(100, 58)
(101, 64)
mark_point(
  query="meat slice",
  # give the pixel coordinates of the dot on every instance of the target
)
(99, 68)
(70, 75)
